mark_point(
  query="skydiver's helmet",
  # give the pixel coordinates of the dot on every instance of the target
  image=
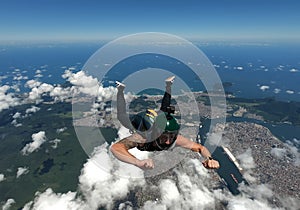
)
(158, 127)
(166, 130)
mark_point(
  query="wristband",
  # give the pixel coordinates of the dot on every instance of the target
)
(209, 158)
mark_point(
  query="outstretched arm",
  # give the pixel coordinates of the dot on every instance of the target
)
(120, 151)
(195, 147)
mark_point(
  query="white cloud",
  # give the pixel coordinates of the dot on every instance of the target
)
(20, 77)
(60, 130)
(38, 139)
(3, 77)
(38, 76)
(290, 203)
(2, 178)
(22, 171)
(85, 84)
(278, 152)
(98, 186)
(107, 93)
(101, 185)
(17, 115)
(254, 197)
(15, 123)
(7, 99)
(81, 83)
(55, 143)
(32, 83)
(243, 203)
(239, 68)
(61, 94)
(246, 160)
(277, 90)
(88, 85)
(290, 92)
(264, 87)
(169, 192)
(38, 89)
(293, 146)
(8, 204)
(15, 88)
(188, 192)
(49, 200)
(294, 70)
(33, 109)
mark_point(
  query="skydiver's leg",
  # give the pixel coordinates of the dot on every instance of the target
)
(166, 101)
(121, 106)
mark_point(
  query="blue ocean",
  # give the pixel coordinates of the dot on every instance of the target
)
(253, 70)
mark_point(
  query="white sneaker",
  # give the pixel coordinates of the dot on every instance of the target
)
(120, 85)
(170, 80)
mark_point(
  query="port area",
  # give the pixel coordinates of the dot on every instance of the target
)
(256, 143)
(229, 172)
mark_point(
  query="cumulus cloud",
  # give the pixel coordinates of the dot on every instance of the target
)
(61, 94)
(277, 90)
(38, 91)
(264, 87)
(32, 83)
(3, 77)
(2, 178)
(294, 70)
(37, 140)
(88, 85)
(188, 193)
(33, 109)
(7, 99)
(290, 92)
(278, 152)
(246, 160)
(38, 75)
(55, 143)
(98, 187)
(60, 130)
(20, 77)
(21, 171)
(293, 146)
(81, 83)
(17, 115)
(240, 68)
(169, 192)
(8, 204)
(16, 124)
(50, 200)
(107, 180)
(247, 204)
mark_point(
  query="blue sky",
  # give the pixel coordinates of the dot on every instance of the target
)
(210, 19)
